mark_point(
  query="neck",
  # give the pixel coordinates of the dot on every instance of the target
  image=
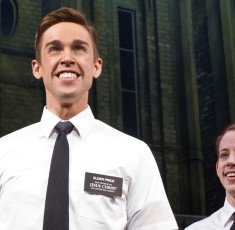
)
(231, 199)
(66, 111)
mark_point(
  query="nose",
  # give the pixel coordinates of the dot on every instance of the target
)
(230, 164)
(231, 160)
(67, 58)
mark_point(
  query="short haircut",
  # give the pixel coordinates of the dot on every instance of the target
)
(64, 14)
(218, 140)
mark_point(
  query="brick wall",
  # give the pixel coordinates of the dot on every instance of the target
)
(21, 96)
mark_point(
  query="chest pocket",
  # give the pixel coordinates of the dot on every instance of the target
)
(102, 208)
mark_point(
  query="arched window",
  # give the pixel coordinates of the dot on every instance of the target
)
(9, 16)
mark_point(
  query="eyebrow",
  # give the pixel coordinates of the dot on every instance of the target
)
(75, 42)
(224, 149)
(80, 42)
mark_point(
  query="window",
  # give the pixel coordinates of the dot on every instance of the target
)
(9, 15)
(130, 114)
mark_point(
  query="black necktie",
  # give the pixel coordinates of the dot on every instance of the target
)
(56, 213)
(233, 225)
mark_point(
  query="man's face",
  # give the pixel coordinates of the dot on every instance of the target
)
(225, 166)
(67, 64)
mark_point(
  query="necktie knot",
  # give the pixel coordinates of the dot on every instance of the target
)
(66, 127)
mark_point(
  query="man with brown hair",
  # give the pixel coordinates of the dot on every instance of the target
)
(225, 168)
(109, 180)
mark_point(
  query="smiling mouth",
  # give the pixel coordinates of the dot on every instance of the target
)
(68, 76)
(230, 175)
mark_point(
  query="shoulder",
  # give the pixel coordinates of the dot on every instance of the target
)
(113, 133)
(19, 136)
(133, 151)
(24, 130)
(109, 135)
(211, 222)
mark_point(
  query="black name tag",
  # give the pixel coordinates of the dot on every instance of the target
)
(103, 185)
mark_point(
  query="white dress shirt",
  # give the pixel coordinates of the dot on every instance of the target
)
(219, 220)
(95, 148)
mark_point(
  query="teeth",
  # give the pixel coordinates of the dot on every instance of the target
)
(68, 76)
(231, 174)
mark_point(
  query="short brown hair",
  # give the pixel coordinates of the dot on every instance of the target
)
(64, 14)
(218, 140)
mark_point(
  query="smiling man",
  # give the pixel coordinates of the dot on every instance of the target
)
(225, 168)
(71, 171)
(67, 64)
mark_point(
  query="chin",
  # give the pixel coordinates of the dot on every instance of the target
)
(230, 189)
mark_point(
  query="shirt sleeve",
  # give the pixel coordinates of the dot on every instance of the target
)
(148, 207)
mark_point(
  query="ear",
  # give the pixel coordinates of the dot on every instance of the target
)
(97, 68)
(36, 69)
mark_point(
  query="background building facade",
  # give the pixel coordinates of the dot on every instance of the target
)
(168, 78)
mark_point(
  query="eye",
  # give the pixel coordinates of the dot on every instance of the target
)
(80, 48)
(53, 49)
(223, 155)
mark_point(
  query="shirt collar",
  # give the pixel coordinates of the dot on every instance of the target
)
(82, 122)
(227, 213)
